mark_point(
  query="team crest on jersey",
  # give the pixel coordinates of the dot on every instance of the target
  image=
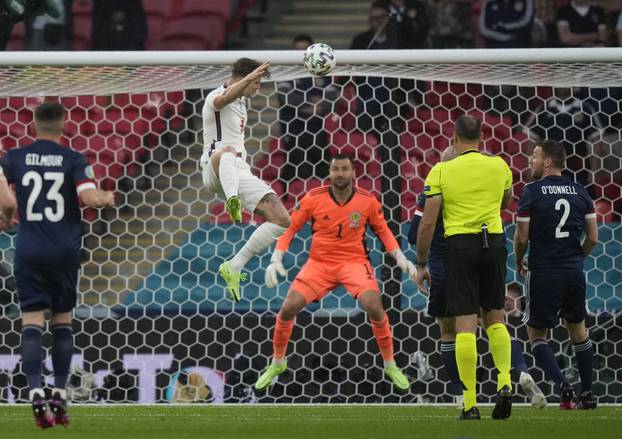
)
(89, 172)
(355, 219)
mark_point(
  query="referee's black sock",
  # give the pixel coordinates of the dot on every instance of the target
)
(32, 354)
(62, 351)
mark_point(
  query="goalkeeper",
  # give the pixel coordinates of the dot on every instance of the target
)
(339, 214)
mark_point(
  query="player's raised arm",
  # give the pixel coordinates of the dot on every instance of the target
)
(381, 229)
(238, 84)
(300, 216)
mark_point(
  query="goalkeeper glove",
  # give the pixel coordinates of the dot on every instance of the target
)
(274, 269)
(404, 264)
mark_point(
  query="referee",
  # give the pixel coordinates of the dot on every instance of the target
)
(472, 189)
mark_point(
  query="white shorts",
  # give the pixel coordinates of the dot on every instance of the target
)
(251, 190)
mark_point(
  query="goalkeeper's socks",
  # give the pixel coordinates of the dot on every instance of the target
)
(262, 238)
(32, 354)
(448, 352)
(518, 359)
(545, 359)
(282, 332)
(62, 351)
(382, 331)
(228, 175)
(584, 353)
(466, 359)
(501, 349)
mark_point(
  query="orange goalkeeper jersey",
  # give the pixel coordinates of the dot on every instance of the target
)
(339, 229)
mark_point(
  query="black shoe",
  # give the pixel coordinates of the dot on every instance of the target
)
(470, 415)
(58, 407)
(566, 395)
(43, 418)
(586, 401)
(503, 406)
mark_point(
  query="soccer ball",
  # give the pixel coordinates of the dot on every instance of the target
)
(319, 59)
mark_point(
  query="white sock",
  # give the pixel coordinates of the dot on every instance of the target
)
(61, 392)
(278, 362)
(228, 175)
(389, 363)
(264, 236)
(38, 392)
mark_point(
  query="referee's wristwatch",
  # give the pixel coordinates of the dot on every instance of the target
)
(421, 264)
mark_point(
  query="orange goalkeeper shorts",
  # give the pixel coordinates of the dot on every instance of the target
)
(316, 279)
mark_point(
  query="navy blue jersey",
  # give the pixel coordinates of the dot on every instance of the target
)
(48, 178)
(556, 209)
(436, 257)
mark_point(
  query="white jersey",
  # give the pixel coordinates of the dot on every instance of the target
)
(224, 127)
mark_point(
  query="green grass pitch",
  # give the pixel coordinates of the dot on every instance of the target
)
(317, 422)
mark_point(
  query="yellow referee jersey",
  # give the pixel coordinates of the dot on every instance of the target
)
(472, 187)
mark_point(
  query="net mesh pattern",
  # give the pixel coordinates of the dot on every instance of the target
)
(153, 312)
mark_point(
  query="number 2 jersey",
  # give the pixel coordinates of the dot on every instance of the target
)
(48, 178)
(339, 229)
(556, 209)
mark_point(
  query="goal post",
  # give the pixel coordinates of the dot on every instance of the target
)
(151, 306)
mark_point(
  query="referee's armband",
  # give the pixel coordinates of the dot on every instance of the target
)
(432, 185)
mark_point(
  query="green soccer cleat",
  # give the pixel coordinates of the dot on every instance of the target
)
(234, 209)
(398, 379)
(232, 279)
(273, 371)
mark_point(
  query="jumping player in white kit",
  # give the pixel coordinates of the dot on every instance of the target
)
(225, 170)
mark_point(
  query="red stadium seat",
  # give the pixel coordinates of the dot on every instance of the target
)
(82, 34)
(156, 26)
(158, 8)
(18, 38)
(201, 7)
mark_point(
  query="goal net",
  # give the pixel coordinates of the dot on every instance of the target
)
(153, 322)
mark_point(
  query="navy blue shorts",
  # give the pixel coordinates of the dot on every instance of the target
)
(436, 300)
(551, 296)
(40, 288)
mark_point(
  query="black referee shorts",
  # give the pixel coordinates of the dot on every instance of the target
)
(475, 277)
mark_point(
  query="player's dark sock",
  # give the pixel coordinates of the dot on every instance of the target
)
(584, 353)
(518, 360)
(62, 350)
(31, 354)
(448, 352)
(546, 361)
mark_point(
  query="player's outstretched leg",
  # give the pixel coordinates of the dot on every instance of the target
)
(233, 279)
(371, 303)
(526, 381)
(531, 389)
(277, 221)
(285, 320)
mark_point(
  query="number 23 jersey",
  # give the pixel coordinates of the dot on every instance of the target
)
(339, 229)
(556, 209)
(48, 178)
